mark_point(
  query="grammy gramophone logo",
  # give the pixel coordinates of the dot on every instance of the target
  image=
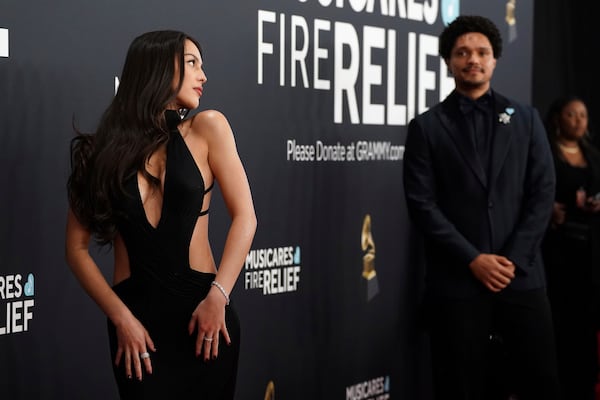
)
(511, 20)
(270, 391)
(367, 245)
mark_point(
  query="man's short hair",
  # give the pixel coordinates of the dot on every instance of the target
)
(465, 24)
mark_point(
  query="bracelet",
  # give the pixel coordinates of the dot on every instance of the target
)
(222, 289)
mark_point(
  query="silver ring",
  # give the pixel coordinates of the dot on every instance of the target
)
(208, 339)
(145, 355)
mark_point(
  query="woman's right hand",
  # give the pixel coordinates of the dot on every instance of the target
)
(580, 198)
(134, 345)
(558, 214)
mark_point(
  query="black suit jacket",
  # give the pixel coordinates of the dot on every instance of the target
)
(461, 211)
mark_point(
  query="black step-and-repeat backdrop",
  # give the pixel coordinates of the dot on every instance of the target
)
(319, 94)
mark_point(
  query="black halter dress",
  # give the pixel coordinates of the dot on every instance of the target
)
(163, 291)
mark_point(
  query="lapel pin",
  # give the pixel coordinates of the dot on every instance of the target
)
(504, 117)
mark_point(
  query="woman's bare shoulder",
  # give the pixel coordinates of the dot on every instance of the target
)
(209, 122)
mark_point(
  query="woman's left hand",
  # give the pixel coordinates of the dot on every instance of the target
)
(208, 320)
(592, 204)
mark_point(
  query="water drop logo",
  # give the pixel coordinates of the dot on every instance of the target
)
(450, 10)
(297, 255)
(29, 289)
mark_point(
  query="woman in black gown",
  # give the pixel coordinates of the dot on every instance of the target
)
(142, 183)
(572, 247)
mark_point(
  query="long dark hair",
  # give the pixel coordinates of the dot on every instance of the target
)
(131, 128)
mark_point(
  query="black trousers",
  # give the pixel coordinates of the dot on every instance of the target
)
(489, 346)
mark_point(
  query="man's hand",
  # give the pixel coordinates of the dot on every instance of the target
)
(495, 272)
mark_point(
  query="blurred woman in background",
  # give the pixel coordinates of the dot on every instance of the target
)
(572, 245)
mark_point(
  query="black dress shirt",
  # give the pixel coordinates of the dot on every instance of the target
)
(478, 115)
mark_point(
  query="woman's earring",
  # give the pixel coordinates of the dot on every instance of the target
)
(182, 112)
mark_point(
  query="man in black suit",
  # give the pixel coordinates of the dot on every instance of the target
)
(479, 184)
